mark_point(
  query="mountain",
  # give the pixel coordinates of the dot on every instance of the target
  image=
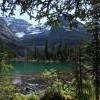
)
(21, 27)
(9, 39)
(30, 35)
(5, 32)
(22, 35)
(56, 34)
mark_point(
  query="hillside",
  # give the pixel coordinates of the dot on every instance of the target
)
(23, 35)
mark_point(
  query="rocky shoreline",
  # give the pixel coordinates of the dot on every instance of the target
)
(27, 84)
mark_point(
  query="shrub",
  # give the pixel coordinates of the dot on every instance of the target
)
(33, 96)
(19, 96)
(58, 90)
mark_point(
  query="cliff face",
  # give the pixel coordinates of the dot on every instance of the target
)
(18, 25)
(5, 32)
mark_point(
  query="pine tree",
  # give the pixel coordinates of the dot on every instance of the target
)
(35, 53)
(84, 10)
(96, 53)
(46, 50)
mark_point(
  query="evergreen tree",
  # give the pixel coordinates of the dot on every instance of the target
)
(35, 52)
(59, 51)
(53, 52)
(46, 50)
(84, 10)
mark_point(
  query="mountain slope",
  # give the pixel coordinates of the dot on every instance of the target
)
(56, 34)
(5, 32)
(23, 35)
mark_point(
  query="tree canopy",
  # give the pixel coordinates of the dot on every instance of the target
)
(85, 10)
(52, 9)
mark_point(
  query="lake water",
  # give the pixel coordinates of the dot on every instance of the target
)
(22, 67)
(28, 74)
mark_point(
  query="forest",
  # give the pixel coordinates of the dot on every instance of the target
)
(83, 82)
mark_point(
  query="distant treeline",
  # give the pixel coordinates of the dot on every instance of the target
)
(5, 48)
(59, 52)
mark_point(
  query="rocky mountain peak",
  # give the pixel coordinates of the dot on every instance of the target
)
(5, 32)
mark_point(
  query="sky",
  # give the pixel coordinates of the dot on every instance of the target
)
(24, 16)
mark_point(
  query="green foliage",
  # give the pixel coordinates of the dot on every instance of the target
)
(86, 10)
(32, 96)
(51, 74)
(6, 87)
(57, 90)
(88, 91)
(68, 90)
(4, 67)
(52, 9)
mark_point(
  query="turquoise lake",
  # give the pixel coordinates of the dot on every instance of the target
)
(22, 67)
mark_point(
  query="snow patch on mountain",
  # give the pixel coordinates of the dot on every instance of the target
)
(23, 28)
(20, 34)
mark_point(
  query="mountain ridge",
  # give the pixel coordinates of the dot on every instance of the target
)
(33, 36)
